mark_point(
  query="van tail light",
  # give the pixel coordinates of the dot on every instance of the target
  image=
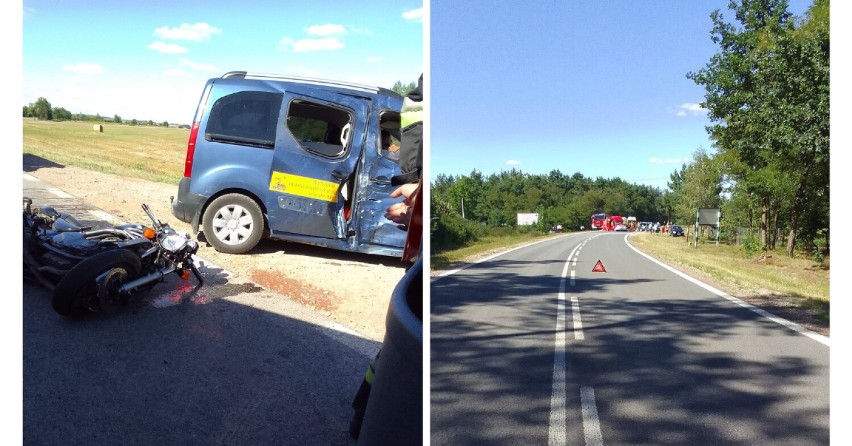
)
(190, 149)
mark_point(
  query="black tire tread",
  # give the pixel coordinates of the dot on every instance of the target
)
(66, 291)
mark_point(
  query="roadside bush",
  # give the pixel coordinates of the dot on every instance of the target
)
(751, 245)
(453, 232)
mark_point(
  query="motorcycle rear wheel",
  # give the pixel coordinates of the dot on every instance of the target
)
(79, 287)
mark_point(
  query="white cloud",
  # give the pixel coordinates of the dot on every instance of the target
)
(415, 15)
(691, 108)
(655, 160)
(304, 45)
(197, 66)
(176, 72)
(198, 32)
(83, 68)
(364, 31)
(326, 30)
(167, 48)
(512, 162)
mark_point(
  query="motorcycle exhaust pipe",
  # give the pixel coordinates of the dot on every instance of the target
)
(155, 276)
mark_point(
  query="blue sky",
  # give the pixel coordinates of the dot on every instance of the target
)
(149, 60)
(596, 87)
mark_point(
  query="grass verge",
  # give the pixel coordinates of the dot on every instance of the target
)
(482, 248)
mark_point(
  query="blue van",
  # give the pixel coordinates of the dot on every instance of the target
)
(289, 158)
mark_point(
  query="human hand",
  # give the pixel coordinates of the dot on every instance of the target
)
(406, 190)
(400, 213)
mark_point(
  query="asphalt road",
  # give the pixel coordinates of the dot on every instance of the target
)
(226, 364)
(534, 347)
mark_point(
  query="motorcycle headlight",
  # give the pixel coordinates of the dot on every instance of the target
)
(174, 242)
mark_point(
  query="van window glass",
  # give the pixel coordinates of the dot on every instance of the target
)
(388, 145)
(318, 128)
(389, 135)
(245, 118)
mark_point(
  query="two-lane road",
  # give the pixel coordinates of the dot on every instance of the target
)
(534, 347)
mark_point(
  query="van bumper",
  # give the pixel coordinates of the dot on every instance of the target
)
(186, 207)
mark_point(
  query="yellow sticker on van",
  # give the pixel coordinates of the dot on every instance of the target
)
(303, 186)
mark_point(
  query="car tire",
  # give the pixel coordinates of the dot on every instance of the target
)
(233, 224)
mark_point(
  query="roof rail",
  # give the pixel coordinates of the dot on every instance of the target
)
(306, 80)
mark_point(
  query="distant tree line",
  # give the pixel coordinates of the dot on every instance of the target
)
(42, 110)
(404, 89)
(465, 208)
(767, 95)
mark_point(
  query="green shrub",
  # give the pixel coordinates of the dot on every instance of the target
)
(453, 232)
(751, 245)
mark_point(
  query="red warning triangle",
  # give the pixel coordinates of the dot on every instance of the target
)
(599, 268)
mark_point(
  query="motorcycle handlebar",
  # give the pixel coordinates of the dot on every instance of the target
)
(157, 224)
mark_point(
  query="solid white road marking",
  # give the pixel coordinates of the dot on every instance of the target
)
(29, 177)
(791, 325)
(591, 424)
(59, 193)
(556, 434)
(445, 274)
(106, 217)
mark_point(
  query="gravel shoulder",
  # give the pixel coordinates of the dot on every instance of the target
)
(352, 289)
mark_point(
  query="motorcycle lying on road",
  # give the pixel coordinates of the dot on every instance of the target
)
(101, 269)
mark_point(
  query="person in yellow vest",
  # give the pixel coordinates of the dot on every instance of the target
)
(410, 156)
(409, 182)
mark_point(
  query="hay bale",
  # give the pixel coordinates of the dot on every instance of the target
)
(99, 128)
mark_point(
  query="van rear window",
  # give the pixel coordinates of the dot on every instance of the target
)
(245, 118)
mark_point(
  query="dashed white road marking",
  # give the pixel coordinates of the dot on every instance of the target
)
(556, 434)
(591, 424)
(578, 323)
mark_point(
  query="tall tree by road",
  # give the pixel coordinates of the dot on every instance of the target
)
(767, 92)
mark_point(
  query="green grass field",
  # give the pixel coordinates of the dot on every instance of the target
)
(145, 152)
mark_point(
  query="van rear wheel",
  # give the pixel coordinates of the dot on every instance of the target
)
(233, 224)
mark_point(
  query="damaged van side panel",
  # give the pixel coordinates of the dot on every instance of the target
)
(308, 153)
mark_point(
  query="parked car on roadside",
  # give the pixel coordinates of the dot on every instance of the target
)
(289, 158)
(676, 231)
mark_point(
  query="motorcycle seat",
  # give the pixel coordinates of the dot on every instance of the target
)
(68, 224)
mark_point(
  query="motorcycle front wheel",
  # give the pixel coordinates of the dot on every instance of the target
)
(78, 289)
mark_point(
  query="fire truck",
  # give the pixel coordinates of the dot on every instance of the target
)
(598, 221)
